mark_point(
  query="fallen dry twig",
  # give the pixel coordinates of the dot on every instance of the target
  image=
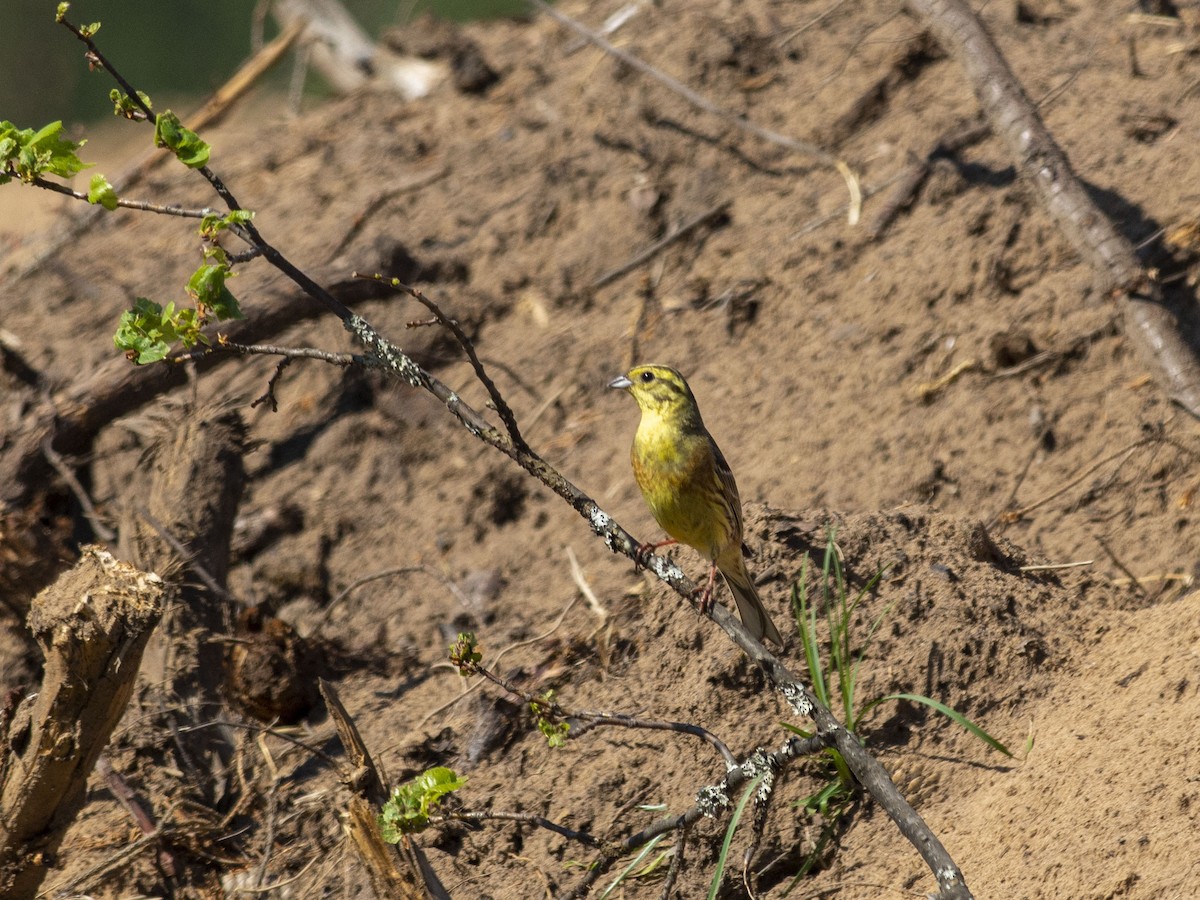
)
(367, 793)
(1151, 325)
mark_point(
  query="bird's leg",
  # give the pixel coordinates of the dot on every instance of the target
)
(641, 556)
(705, 599)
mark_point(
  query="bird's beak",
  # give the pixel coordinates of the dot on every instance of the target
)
(621, 383)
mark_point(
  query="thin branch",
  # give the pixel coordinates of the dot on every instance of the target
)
(658, 246)
(185, 555)
(168, 209)
(676, 866)
(1126, 451)
(527, 818)
(125, 795)
(1056, 567)
(710, 800)
(553, 710)
(65, 472)
(700, 102)
(377, 576)
(496, 659)
(502, 408)
(593, 720)
(1151, 325)
(264, 729)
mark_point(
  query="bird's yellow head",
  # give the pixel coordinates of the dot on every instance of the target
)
(660, 391)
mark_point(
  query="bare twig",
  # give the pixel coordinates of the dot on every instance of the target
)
(683, 230)
(186, 555)
(498, 656)
(127, 798)
(260, 873)
(264, 729)
(1133, 579)
(1125, 452)
(676, 862)
(1152, 326)
(1055, 567)
(527, 818)
(700, 102)
(377, 576)
(501, 405)
(165, 209)
(586, 589)
(67, 474)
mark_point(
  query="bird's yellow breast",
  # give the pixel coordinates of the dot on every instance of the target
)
(675, 471)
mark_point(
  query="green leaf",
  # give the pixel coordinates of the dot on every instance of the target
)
(100, 191)
(207, 287)
(124, 105)
(169, 132)
(407, 810)
(147, 331)
(213, 223)
(61, 12)
(144, 333)
(29, 154)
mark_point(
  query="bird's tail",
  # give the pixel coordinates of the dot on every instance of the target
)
(750, 607)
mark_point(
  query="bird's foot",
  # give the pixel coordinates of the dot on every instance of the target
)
(641, 556)
(704, 596)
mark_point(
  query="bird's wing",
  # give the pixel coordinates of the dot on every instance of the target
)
(729, 491)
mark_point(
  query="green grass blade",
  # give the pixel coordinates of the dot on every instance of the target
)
(733, 824)
(808, 635)
(633, 865)
(952, 714)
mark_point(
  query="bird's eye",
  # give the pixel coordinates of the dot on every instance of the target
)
(647, 377)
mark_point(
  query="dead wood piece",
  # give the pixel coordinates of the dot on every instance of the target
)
(196, 472)
(1151, 325)
(347, 57)
(92, 625)
(389, 876)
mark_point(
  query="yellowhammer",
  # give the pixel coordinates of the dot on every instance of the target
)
(688, 486)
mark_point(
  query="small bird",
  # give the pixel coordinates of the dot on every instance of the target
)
(689, 487)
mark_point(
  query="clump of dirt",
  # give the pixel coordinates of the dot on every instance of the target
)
(953, 399)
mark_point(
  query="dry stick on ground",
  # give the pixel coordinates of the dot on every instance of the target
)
(92, 625)
(648, 253)
(829, 731)
(700, 102)
(125, 795)
(1153, 328)
(389, 877)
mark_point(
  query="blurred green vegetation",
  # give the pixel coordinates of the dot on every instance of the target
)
(175, 50)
